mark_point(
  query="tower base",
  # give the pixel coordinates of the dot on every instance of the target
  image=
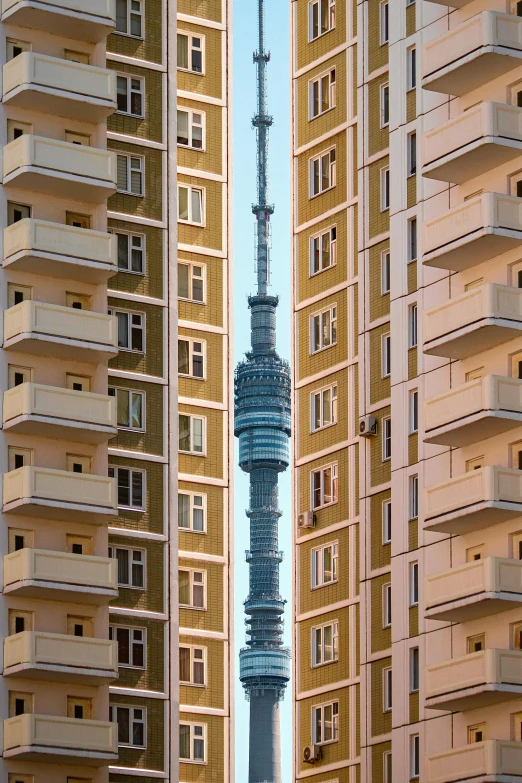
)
(265, 738)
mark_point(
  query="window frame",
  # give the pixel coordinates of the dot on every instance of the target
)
(129, 157)
(331, 14)
(412, 153)
(411, 68)
(320, 629)
(384, 23)
(190, 123)
(317, 570)
(192, 418)
(192, 585)
(190, 190)
(320, 314)
(384, 179)
(331, 154)
(413, 584)
(191, 278)
(331, 90)
(386, 355)
(130, 392)
(385, 272)
(114, 471)
(331, 233)
(143, 249)
(387, 690)
(131, 709)
(413, 241)
(192, 737)
(130, 327)
(204, 660)
(190, 49)
(386, 521)
(413, 497)
(413, 335)
(192, 354)
(319, 709)
(191, 496)
(414, 411)
(384, 97)
(113, 548)
(414, 669)
(141, 14)
(114, 627)
(386, 438)
(333, 467)
(414, 756)
(332, 388)
(386, 605)
(129, 78)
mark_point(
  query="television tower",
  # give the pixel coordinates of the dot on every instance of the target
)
(262, 423)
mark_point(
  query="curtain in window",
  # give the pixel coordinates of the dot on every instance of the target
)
(182, 51)
(183, 511)
(184, 588)
(184, 732)
(137, 413)
(122, 405)
(123, 251)
(122, 637)
(184, 433)
(183, 357)
(121, 16)
(123, 718)
(183, 281)
(184, 664)
(121, 83)
(123, 566)
(183, 203)
(183, 127)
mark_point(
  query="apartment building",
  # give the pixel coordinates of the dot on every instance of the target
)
(407, 363)
(116, 506)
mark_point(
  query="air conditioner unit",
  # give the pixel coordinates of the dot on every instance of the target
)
(311, 754)
(306, 520)
(367, 426)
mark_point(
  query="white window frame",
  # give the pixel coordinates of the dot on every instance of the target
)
(192, 585)
(325, 80)
(411, 68)
(317, 245)
(386, 605)
(385, 272)
(386, 438)
(130, 13)
(318, 631)
(386, 766)
(386, 355)
(130, 393)
(322, 471)
(190, 190)
(113, 548)
(412, 153)
(384, 22)
(414, 669)
(141, 170)
(384, 93)
(113, 717)
(413, 497)
(191, 278)
(322, 322)
(191, 126)
(414, 756)
(318, 571)
(190, 49)
(330, 9)
(387, 689)
(320, 393)
(114, 472)
(414, 411)
(193, 737)
(385, 188)
(192, 418)
(192, 508)
(386, 521)
(412, 325)
(192, 354)
(113, 629)
(129, 78)
(325, 161)
(319, 710)
(413, 245)
(136, 242)
(413, 580)
(130, 328)
(193, 661)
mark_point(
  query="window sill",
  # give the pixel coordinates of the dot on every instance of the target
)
(190, 530)
(326, 268)
(140, 510)
(324, 663)
(324, 348)
(191, 377)
(190, 301)
(192, 684)
(325, 584)
(194, 608)
(321, 429)
(128, 114)
(189, 761)
(321, 193)
(321, 35)
(128, 193)
(190, 223)
(128, 272)
(128, 35)
(327, 505)
(326, 742)
(189, 146)
(132, 587)
(192, 453)
(188, 70)
(322, 113)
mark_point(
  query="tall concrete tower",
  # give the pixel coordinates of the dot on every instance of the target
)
(262, 423)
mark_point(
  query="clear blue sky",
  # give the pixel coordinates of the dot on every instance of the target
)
(244, 105)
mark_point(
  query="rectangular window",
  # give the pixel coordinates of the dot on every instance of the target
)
(191, 434)
(325, 643)
(386, 606)
(322, 172)
(193, 742)
(131, 725)
(386, 521)
(413, 497)
(387, 689)
(384, 24)
(324, 565)
(191, 205)
(131, 252)
(323, 251)
(131, 487)
(321, 94)
(131, 330)
(132, 645)
(323, 408)
(131, 566)
(414, 756)
(385, 102)
(414, 584)
(192, 665)
(386, 439)
(191, 358)
(325, 723)
(385, 189)
(387, 766)
(324, 486)
(411, 68)
(323, 329)
(412, 326)
(414, 670)
(191, 55)
(414, 411)
(191, 282)
(385, 355)
(129, 18)
(130, 174)
(412, 154)
(192, 588)
(192, 511)
(130, 408)
(321, 18)
(190, 129)
(130, 91)
(385, 272)
(412, 240)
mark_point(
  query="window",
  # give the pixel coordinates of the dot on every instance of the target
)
(385, 272)
(130, 170)
(131, 330)
(324, 486)
(131, 725)
(192, 664)
(14, 48)
(385, 189)
(323, 329)
(414, 669)
(517, 726)
(324, 565)
(411, 55)
(412, 154)
(321, 18)
(476, 643)
(386, 522)
(414, 584)
(387, 766)
(191, 205)
(414, 411)
(325, 643)
(191, 52)
(386, 439)
(192, 742)
(191, 282)
(191, 358)
(190, 129)
(131, 487)
(130, 91)
(387, 689)
(322, 173)
(16, 212)
(412, 326)
(130, 408)
(192, 511)
(474, 553)
(412, 240)
(132, 644)
(386, 606)
(15, 129)
(323, 251)
(476, 733)
(385, 102)
(129, 17)
(131, 566)
(192, 588)
(385, 355)
(384, 22)
(321, 94)
(413, 497)
(191, 434)
(323, 408)
(414, 756)
(325, 723)
(131, 252)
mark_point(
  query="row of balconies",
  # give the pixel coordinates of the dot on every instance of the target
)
(82, 20)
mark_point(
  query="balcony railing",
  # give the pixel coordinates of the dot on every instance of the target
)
(59, 168)
(474, 500)
(50, 411)
(82, 20)
(477, 230)
(53, 739)
(477, 320)
(60, 657)
(495, 758)
(479, 50)
(45, 492)
(474, 590)
(473, 143)
(60, 87)
(62, 576)
(475, 680)
(475, 411)
(62, 332)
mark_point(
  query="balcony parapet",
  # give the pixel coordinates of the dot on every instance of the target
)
(82, 20)
(490, 760)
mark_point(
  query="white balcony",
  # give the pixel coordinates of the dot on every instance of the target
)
(53, 739)
(53, 412)
(478, 140)
(479, 50)
(475, 411)
(60, 576)
(60, 332)
(479, 319)
(82, 20)
(491, 760)
(473, 501)
(477, 230)
(57, 250)
(60, 87)
(59, 494)
(59, 168)
(60, 657)
(474, 590)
